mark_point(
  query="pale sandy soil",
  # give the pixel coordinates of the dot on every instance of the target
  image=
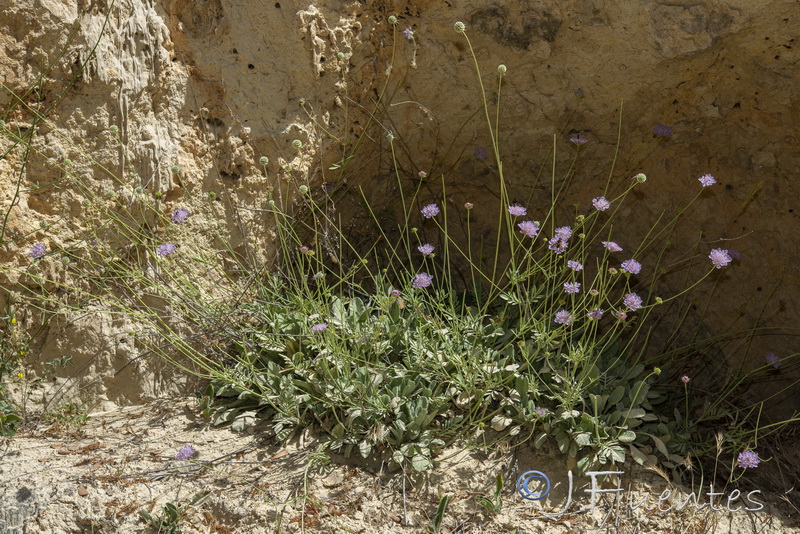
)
(97, 478)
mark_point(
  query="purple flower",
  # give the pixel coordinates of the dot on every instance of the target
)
(426, 249)
(631, 266)
(319, 328)
(719, 257)
(185, 452)
(621, 315)
(748, 459)
(564, 232)
(611, 246)
(422, 280)
(632, 301)
(557, 245)
(395, 293)
(529, 228)
(601, 204)
(408, 33)
(595, 313)
(480, 153)
(564, 317)
(468, 205)
(685, 379)
(179, 215)
(579, 92)
(540, 411)
(37, 251)
(165, 249)
(517, 211)
(304, 249)
(431, 210)
(773, 360)
(572, 287)
(662, 130)
(578, 140)
(574, 265)
(706, 180)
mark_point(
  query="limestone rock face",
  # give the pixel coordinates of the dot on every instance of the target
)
(213, 85)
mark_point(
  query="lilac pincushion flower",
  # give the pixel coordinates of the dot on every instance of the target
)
(480, 153)
(572, 287)
(37, 251)
(395, 293)
(185, 452)
(632, 301)
(541, 411)
(685, 379)
(611, 246)
(408, 33)
(748, 459)
(595, 313)
(662, 130)
(517, 211)
(601, 203)
(426, 249)
(180, 215)
(429, 211)
(719, 257)
(563, 317)
(574, 265)
(319, 328)
(165, 249)
(564, 232)
(631, 266)
(529, 228)
(422, 280)
(578, 140)
(773, 360)
(706, 180)
(560, 241)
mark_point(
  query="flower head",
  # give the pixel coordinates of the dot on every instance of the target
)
(480, 153)
(395, 293)
(706, 180)
(541, 411)
(632, 301)
(572, 287)
(773, 360)
(595, 313)
(37, 251)
(719, 257)
(563, 317)
(185, 452)
(517, 211)
(179, 215)
(564, 232)
(748, 459)
(468, 205)
(631, 266)
(529, 228)
(426, 249)
(408, 33)
(621, 315)
(319, 328)
(578, 140)
(574, 265)
(685, 379)
(662, 130)
(611, 246)
(429, 211)
(304, 250)
(422, 280)
(601, 203)
(165, 249)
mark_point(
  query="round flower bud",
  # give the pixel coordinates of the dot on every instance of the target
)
(340, 55)
(393, 20)
(459, 27)
(271, 203)
(113, 129)
(641, 178)
(390, 136)
(303, 189)
(176, 169)
(297, 144)
(263, 160)
(501, 69)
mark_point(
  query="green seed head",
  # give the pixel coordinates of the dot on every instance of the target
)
(113, 129)
(641, 178)
(176, 169)
(459, 27)
(297, 144)
(212, 195)
(65, 260)
(501, 69)
(304, 189)
(340, 55)
(263, 160)
(393, 20)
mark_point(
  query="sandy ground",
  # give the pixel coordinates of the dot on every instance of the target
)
(99, 476)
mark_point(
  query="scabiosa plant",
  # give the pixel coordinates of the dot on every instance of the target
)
(480, 153)
(595, 313)
(611, 246)
(632, 301)
(685, 379)
(395, 293)
(575, 265)
(706, 180)
(180, 215)
(631, 266)
(773, 360)
(517, 211)
(601, 203)
(529, 228)
(662, 130)
(319, 328)
(572, 287)
(422, 280)
(563, 317)
(165, 249)
(185, 452)
(408, 33)
(560, 241)
(426, 249)
(430, 211)
(748, 460)
(37, 251)
(719, 257)
(578, 140)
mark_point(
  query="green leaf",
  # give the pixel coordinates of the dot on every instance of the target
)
(421, 463)
(365, 448)
(638, 456)
(616, 395)
(627, 437)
